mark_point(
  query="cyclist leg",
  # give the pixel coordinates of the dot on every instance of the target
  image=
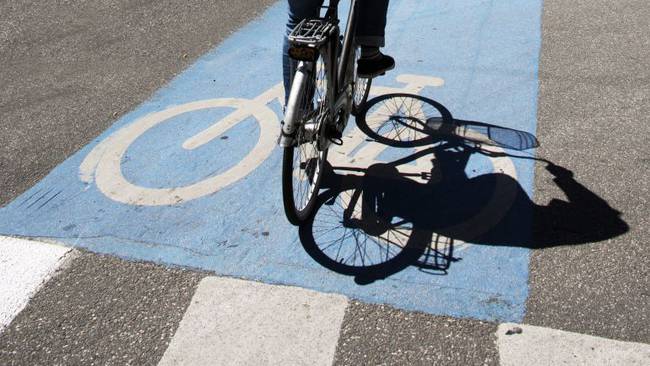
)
(298, 10)
(370, 36)
(372, 23)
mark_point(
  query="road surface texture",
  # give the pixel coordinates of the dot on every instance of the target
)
(71, 70)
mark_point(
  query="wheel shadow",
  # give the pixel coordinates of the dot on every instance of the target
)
(427, 202)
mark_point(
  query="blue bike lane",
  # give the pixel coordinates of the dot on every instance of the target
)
(146, 190)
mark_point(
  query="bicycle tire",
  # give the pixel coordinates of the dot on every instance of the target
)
(304, 161)
(297, 215)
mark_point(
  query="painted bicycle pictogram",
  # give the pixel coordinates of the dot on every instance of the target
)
(103, 165)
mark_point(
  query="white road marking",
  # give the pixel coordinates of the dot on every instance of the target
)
(24, 266)
(235, 322)
(103, 164)
(543, 346)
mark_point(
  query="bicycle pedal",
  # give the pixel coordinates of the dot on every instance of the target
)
(334, 135)
(336, 141)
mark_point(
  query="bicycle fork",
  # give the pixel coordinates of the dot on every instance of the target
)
(294, 108)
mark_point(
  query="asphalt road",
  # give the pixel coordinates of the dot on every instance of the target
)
(594, 120)
(70, 70)
(102, 311)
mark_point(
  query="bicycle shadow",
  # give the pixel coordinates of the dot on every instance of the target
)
(372, 222)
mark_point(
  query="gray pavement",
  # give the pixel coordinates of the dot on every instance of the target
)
(381, 335)
(594, 110)
(102, 310)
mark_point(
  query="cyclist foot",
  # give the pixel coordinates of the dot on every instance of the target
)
(374, 63)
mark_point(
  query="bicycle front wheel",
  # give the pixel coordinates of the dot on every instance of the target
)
(303, 162)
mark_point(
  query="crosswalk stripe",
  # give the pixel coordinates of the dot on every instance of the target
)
(24, 266)
(544, 346)
(235, 322)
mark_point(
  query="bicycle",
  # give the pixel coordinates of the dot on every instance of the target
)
(325, 91)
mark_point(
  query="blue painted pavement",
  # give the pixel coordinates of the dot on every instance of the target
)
(485, 51)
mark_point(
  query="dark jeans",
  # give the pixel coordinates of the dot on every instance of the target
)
(370, 28)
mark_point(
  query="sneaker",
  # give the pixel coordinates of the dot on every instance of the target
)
(374, 66)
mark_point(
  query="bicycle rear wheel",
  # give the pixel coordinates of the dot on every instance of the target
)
(303, 162)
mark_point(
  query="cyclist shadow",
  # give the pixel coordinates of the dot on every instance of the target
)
(372, 222)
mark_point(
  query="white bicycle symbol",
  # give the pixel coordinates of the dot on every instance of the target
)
(103, 165)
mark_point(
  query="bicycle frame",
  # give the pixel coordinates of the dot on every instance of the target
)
(348, 41)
